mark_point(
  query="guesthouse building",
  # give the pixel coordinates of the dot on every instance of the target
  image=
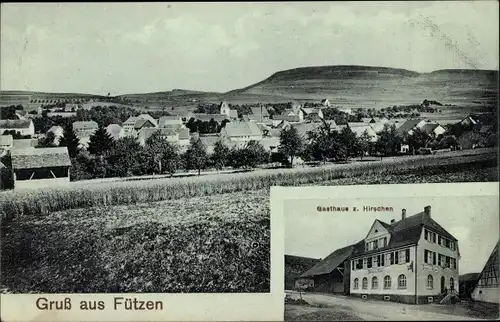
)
(413, 260)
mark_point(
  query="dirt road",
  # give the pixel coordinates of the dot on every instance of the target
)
(348, 308)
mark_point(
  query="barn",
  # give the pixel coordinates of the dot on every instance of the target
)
(40, 167)
(332, 274)
(487, 288)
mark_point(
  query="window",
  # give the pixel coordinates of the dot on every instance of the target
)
(375, 244)
(369, 262)
(426, 234)
(402, 281)
(440, 260)
(440, 240)
(392, 258)
(385, 241)
(365, 283)
(453, 263)
(374, 282)
(353, 267)
(447, 243)
(433, 258)
(407, 255)
(452, 245)
(365, 262)
(356, 284)
(402, 257)
(433, 237)
(387, 282)
(359, 264)
(447, 262)
(430, 282)
(375, 261)
(452, 283)
(381, 261)
(396, 258)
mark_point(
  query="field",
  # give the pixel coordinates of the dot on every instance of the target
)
(202, 234)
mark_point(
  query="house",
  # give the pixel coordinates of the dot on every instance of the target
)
(171, 120)
(6, 142)
(58, 133)
(85, 128)
(259, 114)
(165, 133)
(468, 121)
(209, 141)
(488, 287)
(242, 131)
(409, 126)
(71, 107)
(219, 118)
(129, 126)
(225, 110)
(413, 260)
(432, 129)
(289, 115)
(303, 129)
(325, 102)
(270, 144)
(143, 123)
(23, 127)
(61, 114)
(21, 144)
(330, 275)
(184, 136)
(311, 113)
(345, 110)
(360, 129)
(148, 118)
(115, 131)
(40, 168)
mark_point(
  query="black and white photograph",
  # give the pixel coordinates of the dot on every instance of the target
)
(406, 258)
(139, 141)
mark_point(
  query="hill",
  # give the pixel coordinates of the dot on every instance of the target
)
(347, 86)
(295, 266)
(378, 87)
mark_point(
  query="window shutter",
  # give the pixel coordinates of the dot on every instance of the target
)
(407, 256)
(434, 258)
(392, 258)
(396, 258)
(433, 237)
(426, 252)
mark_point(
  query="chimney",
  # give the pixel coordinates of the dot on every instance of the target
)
(403, 214)
(427, 210)
(393, 221)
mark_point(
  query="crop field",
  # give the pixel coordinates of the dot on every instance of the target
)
(203, 234)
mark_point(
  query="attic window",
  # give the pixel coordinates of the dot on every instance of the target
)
(376, 230)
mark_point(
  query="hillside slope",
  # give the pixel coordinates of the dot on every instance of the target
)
(376, 87)
(295, 266)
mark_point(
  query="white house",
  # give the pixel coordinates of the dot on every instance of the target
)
(58, 133)
(85, 128)
(413, 260)
(23, 127)
(241, 131)
(225, 110)
(115, 131)
(488, 287)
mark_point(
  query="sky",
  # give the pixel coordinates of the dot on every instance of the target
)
(135, 48)
(472, 220)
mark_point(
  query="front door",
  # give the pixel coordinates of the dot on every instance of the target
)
(442, 284)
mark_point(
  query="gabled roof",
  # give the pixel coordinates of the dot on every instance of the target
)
(40, 158)
(407, 232)
(56, 128)
(469, 277)
(289, 118)
(85, 125)
(149, 118)
(235, 129)
(429, 128)
(184, 134)
(20, 144)
(407, 126)
(170, 119)
(332, 261)
(257, 110)
(15, 124)
(131, 121)
(141, 122)
(233, 113)
(304, 128)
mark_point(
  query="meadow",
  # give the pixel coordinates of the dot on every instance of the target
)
(195, 234)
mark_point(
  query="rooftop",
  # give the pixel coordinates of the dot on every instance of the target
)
(40, 158)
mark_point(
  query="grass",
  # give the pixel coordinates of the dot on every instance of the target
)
(41, 202)
(203, 244)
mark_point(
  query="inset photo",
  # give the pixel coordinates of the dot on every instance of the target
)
(373, 256)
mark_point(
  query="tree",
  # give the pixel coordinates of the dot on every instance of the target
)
(348, 143)
(70, 140)
(196, 155)
(365, 144)
(389, 142)
(290, 144)
(220, 156)
(255, 154)
(100, 142)
(163, 154)
(48, 141)
(124, 158)
(416, 140)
